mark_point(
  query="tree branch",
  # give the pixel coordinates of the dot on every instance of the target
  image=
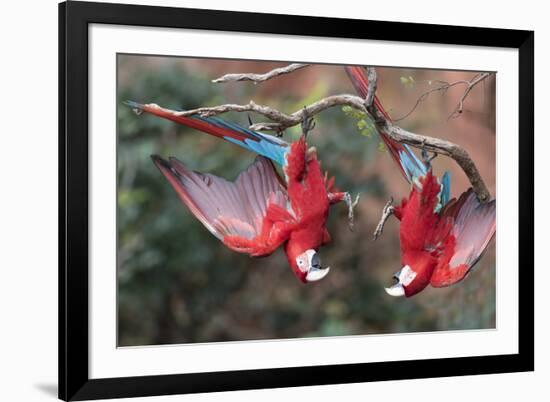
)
(371, 86)
(443, 88)
(281, 121)
(260, 77)
(439, 146)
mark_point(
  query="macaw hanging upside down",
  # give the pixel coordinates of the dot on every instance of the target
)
(259, 212)
(441, 239)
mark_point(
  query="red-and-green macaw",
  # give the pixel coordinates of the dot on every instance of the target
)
(259, 211)
(441, 238)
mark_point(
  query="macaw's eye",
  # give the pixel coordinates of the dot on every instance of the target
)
(300, 262)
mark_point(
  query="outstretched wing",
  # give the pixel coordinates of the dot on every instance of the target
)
(253, 209)
(474, 225)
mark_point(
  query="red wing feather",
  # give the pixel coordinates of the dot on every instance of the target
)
(197, 123)
(474, 225)
(235, 210)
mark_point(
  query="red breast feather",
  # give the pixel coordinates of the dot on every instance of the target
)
(419, 223)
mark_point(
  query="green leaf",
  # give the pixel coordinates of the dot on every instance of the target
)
(407, 81)
(351, 112)
(347, 109)
(367, 132)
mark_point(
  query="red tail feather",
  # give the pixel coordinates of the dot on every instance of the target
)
(195, 123)
(358, 77)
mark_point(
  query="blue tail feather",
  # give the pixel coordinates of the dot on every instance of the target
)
(266, 145)
(263, 144)
(445, 195)
(413, 167)
(133, 104)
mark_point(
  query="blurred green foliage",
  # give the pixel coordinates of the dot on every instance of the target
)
(179, 284)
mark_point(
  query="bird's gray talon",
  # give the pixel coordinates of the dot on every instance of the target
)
(387, 211)
(351, 205)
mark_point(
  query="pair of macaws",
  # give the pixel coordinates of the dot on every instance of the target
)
(441, 239)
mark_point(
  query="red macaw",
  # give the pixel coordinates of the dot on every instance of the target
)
(441, 239)
(258, 212)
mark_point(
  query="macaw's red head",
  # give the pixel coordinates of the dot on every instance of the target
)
(414, 276)
(305, 263)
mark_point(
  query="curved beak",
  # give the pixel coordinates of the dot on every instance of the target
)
(395, 290)
(402, 278)
(316, 272)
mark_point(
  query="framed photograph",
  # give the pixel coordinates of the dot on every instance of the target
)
(259, 201)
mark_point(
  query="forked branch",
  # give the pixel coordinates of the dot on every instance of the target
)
(443, 87)
(281, 121)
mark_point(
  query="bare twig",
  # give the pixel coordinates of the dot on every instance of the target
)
(471, 84)
(386, 213)
(443, 87)
(260, 77)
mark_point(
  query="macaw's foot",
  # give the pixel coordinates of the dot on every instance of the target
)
(308, 123)
(351, 205)
(426, 157)
(386, 213)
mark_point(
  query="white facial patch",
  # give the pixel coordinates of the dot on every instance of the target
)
(304, 260)
(308, 262)
(406, 275)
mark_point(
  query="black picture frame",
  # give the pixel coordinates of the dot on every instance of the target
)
(74, 381)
